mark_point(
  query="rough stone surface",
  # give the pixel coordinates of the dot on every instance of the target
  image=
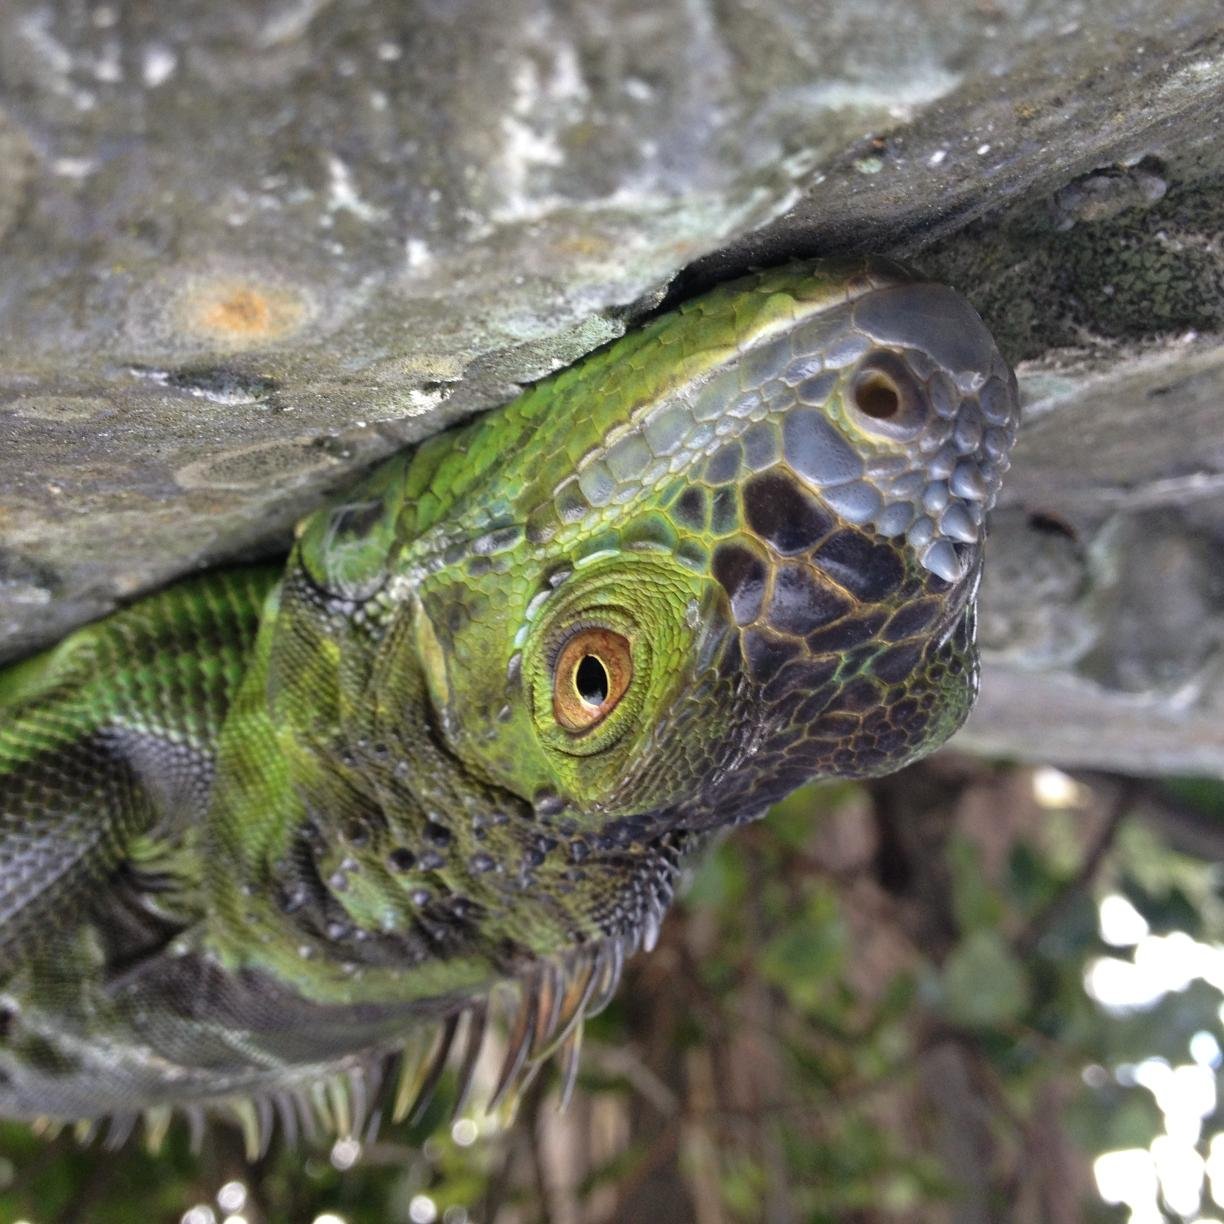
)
(247, 247)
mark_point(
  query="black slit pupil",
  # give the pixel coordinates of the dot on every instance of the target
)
(591, 681)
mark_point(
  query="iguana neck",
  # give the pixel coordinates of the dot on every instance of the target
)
(375, 866)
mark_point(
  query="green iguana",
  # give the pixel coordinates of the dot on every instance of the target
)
(268, 829)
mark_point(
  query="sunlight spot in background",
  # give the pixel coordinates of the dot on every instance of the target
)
(1127, 1176)
(464, 1132)
(232, 1196)
(1171, 1168)
(234, 1219)
(1185, 1095)
(1122, 925)
(201, 1213)
(1095, 1076)
(329, 1218)
(422, 1209)
(1161, 963)
(1205, 1050)
(1215, 1167)
(1054, 789)
(1180, 1170)
(345, 1153)
(1119, 986)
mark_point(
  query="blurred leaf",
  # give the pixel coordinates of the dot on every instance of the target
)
(792, 820)
(807, 953)
(1205, 795)
(1173, 891)
(1113, 1118)
(975, 902)
(743, 1187)
(721, 880)
(983, 983)
(1030, 880)
(1076, 934)
(1165, 911)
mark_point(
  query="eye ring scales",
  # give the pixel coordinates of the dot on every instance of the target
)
(592, 673)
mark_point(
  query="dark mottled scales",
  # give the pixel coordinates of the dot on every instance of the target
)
(896, 664)
(869, 570)
(800, 602)
(847, 633)
(835, 722)
(892, 739)
(766, 653)
(783, 514)
(742, 574)
(814, 703)
(911, 619)
(800, 676)
(858, 695)
(691, 508)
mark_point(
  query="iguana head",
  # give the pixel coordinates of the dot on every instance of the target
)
(737, 550)
(739, 556)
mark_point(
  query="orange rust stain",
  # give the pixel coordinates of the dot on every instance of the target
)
(244, 313)
(584, 245)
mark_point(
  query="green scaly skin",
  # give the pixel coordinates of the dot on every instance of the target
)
(261, 830)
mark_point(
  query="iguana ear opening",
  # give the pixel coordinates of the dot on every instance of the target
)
(347, 549)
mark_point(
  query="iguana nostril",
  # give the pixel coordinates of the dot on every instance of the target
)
(876, 396)
(888, 398)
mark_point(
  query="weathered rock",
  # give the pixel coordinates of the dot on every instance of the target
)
(246, 248)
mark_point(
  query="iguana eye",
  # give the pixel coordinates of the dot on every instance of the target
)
(592, 672)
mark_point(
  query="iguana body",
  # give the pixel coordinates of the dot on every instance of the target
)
(259, 831)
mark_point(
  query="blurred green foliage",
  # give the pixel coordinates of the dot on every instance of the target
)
(870, 1007)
